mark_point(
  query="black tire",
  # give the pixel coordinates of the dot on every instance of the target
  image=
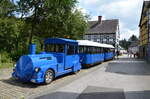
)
(76, 72)
(49, 76)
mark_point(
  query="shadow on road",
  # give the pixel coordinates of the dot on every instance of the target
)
(98, 93)
(129, 66)
(13, 82)
(19, 83)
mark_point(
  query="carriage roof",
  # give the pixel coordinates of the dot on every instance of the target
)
(60, 41)
(95, 44)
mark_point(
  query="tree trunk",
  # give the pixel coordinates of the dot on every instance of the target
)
(33, 26)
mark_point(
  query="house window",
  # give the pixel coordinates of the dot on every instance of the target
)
(95, 40)
(101, 36)
(92, 36)
(98, 40)
(111, 40)
(89, 36)
(92, 39)
(104, 40)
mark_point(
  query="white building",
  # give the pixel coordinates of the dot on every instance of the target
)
(104, 31)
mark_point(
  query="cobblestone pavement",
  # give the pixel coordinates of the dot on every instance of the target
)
(119, 79)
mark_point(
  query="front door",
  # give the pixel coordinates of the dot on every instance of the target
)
(70, 56)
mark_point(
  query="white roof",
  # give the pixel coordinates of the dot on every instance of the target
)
(91, 43)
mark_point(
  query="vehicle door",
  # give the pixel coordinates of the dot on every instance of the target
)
(71, 56)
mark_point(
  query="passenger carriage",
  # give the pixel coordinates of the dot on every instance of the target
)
(109, 52)
(93, 53)
(60, 57)
(90, 52)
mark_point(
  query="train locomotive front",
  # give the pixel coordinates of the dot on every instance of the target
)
(32, 67)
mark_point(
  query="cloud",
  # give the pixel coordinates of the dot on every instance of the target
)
(122, 8)
(88, 2)
(127, 11)
(127, 32)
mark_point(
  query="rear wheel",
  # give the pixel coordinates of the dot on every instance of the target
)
(49, 76)
(76, 72)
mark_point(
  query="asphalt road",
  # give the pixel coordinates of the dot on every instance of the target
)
(125, 78)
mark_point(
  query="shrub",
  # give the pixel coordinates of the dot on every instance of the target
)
(5, 58)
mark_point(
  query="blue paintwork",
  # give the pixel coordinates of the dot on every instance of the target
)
(32, 49)
(60, 41)
(91, 58)
(60, 63)
(26, 65)
(108, 56)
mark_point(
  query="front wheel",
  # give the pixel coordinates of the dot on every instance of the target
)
(49, 76)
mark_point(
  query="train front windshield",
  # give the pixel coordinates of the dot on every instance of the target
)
(59, 48)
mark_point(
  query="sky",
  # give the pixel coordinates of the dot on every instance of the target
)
(127, 11)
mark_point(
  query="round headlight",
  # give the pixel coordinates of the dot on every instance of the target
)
(37, 69)
(14, 65)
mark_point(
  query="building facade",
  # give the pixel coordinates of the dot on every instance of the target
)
(103, 31)
(145, 31)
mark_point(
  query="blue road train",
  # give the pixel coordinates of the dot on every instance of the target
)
(61, 56)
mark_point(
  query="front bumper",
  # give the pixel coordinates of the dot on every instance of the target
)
(36, 78)
(37, 81)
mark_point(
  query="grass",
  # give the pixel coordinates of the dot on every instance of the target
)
(6, 65)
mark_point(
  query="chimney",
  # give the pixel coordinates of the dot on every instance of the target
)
(99, 19)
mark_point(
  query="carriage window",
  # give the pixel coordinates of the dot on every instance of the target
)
(91, 50)
(54, 48)
(76, 50)
(87, 49)
(98, 50)
(95, 50)
(81, 49)
(105, 50)
(70, 50)
(102, 50)
(111, 50)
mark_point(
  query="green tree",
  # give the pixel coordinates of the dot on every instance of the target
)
(7, 8)
(12, 36)
(126, 43)
(39, 19)
(133, 38)
(53, 18)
